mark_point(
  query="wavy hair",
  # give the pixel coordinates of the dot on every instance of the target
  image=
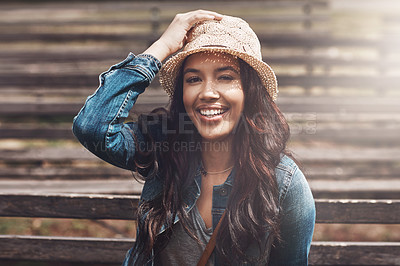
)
(253, 207)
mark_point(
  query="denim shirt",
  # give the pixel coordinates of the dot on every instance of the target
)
(100, 127)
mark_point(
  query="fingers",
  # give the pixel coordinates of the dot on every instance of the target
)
(175, 35)
(200, 14)
(193, 17)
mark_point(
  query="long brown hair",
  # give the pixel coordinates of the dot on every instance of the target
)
(253, 206)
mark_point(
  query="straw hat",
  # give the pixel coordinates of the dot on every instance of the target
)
(230, 35)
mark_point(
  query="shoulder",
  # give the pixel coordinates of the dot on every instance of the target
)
(285, 171)
(289, 177)
(297, 215)
(286, 165)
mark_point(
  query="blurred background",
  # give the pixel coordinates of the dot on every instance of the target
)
(338, 68)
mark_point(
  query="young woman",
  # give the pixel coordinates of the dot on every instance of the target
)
(219, 149)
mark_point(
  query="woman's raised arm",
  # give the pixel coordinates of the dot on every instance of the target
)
(99, 125)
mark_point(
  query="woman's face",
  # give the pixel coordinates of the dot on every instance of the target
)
(213, 94)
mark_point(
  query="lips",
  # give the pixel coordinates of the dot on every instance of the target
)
(211, 111)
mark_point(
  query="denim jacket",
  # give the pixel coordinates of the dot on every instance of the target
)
(100, 127)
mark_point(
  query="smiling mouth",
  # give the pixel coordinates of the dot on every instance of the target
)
(211, 112)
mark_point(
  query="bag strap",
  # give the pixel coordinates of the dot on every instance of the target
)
(211, 244)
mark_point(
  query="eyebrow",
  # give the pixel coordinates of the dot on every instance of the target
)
(190, 70)
(220, 69)
(227, 68)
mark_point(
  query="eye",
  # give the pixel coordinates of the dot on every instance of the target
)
(226, 77)
(193, 79)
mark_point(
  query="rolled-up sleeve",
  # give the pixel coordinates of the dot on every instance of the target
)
(100, 126)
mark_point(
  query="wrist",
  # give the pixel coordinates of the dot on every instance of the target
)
(159, 50)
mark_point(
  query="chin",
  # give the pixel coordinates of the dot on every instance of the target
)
(216, 137)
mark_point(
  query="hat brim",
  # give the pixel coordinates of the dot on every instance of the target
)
(170, 69)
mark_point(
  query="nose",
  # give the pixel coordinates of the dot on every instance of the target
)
(209, 92)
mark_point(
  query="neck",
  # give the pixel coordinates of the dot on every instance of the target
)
(217, 157)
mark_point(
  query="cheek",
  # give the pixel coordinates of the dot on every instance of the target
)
(238, 100)
(235, 95)
(241, 99)
(188, 100)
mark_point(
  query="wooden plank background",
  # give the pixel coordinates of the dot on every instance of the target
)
(123, 207)
(338, 67)
(92, 250)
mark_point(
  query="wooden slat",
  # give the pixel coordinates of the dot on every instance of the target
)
(346, 170)
(318, 171)
(19, 66)
(355, 253)
(127, 186)
(332, 189)
(304, 154)
(358, 211)
(89, 206)
(353, 193)
(356, 136)
(73, 37)
(339, 81)
(92, 206)
(312, 40)
(171, 5)
(300, 133)
(269, 39)
(60, 80)
(36, 133)
(95, 55)
(299, 40)
(61, 172)
(85, 57)
(71, 249)
(285, 18)
(361, 188)
(347, 154)
(58, 109)
(113, 250)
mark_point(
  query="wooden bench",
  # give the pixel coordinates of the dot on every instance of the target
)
(81, 206)
(344, 123)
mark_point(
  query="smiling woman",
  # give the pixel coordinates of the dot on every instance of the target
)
(213, 94)
(217, 173)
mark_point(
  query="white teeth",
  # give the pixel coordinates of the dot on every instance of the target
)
(211, 112)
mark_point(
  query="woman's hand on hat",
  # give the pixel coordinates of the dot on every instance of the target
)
(175, 35)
